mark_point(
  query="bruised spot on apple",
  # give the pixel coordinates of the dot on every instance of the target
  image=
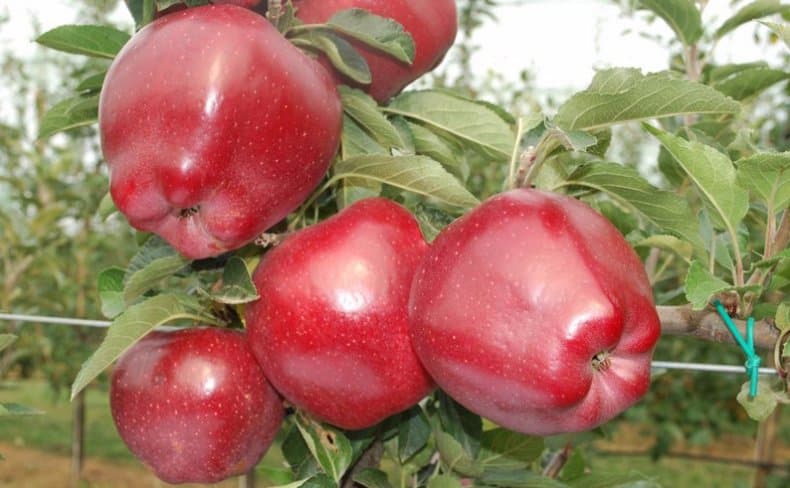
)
(331, 324)
(214, 128)
(432, 24)
(533, 311)
(194, 404)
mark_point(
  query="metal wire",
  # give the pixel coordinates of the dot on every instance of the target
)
(42, 319)
(712, 368)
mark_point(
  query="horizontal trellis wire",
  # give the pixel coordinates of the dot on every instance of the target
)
(712, 368)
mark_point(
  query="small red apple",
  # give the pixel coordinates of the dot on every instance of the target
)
(432, 24)
(331, 324)
(534, 312)
(194, 404)
(214, 128)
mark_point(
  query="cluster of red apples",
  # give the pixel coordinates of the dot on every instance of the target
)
(531, 310)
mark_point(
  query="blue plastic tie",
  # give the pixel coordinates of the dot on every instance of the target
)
(752, 359)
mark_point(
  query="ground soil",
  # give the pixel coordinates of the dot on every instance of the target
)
(30, 468)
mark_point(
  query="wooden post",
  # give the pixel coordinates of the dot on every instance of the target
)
(77, 439)
(247, 480)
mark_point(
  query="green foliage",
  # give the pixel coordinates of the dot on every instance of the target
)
(682, 16)
(90, 40)
(617, 96)
(382, 34)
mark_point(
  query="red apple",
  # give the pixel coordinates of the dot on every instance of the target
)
(432, 24)
(534, 312)
(258, 5)
(194, 404)
(331, 325)
(214, 128)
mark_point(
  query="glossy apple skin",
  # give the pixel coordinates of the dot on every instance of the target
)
(258, 5)
(515, 299)
(194, 404)
(331, 324)
(214, 128)
(433, 25)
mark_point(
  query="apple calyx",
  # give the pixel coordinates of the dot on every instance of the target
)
(601, 361)
(185, 213)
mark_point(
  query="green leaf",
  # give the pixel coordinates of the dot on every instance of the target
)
(749, 82)
(363, 109)
(767, 177)
(615, 81)
(427, 143)
(319, 481)
(617, 95)
(432, 220)
(110, 286)
(6, 340)
(668, 243)
(755, 10)
(502, 449)
(518, 478)
(682, 16)
(417, 174)
(414, 431)
(92, 84)
(372, 478)
(297, 455)
(15, 409)
(461, 424)
(69, 114)
(701, 285)
(147, 278)
(664, 209)
(471, 123)
(574, 467)
(128, 328)
(237, 286)
(444, 481)
(328, 446)
(136, 9)
(782, 318)
(152, 249)
(782, 31)
(714, 176)
(455, 457)
(357, 142)
(761, 406)
(380, 33)
(340, 53)
(99, 41)
(106, 207)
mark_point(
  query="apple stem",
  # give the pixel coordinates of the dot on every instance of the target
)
(557, 462)
(526, 164)
(268, 239)
(275, 11)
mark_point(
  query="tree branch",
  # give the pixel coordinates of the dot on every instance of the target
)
(708, 326)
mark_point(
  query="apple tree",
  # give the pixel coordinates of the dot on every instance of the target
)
(400, 265)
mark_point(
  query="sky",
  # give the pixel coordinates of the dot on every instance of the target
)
(561, 42)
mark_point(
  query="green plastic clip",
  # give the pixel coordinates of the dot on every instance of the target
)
(752, 359)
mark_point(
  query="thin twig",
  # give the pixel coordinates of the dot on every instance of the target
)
(707, 325)
(558, 460)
